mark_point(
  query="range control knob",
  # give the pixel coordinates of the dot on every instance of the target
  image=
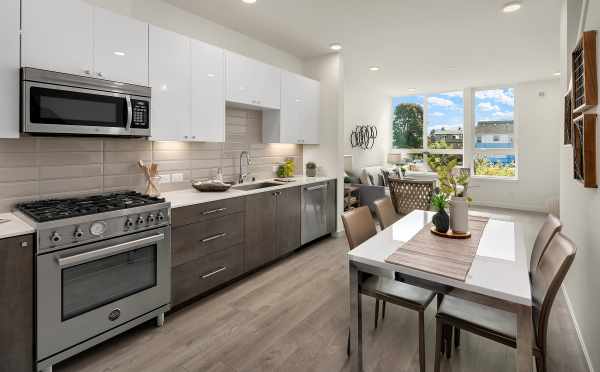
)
(55, 237)
(78, 233)
(129, 223)
(140, 220)
(161, 217)
(151, 218)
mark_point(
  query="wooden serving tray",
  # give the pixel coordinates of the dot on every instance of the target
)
(450, 234)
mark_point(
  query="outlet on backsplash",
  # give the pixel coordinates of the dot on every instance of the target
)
(177, 177)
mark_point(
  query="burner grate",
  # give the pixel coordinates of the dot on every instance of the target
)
(56, 209)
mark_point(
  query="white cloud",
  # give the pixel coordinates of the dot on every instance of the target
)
(504, 96)
(436, 101)
(436, 114)
(503, 114)
(487, 106)
(453, 94)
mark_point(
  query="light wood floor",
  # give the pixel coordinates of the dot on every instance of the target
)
(293, 316)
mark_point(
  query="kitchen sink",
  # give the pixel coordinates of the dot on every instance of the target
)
(256, 186)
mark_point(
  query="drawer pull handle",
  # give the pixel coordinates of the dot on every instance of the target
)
(214, 211)
(211, 238)
(222, 268)
(316, 188)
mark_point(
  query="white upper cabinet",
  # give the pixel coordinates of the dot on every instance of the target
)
(9, 68)
(253, 83)
(120, 48)
(170, 75)
(298, 120)
(58, 35)
(208, 92)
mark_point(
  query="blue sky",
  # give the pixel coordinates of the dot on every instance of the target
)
(447, 109)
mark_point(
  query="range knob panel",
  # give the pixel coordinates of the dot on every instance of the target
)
(78, 233)
(140, 220)
(151, 218)
(129, 222)
(55, 237)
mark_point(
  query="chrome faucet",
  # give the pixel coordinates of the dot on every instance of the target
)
(243, 176)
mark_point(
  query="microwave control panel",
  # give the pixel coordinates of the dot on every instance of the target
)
(141, 114)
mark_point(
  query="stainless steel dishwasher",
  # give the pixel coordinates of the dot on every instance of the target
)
(314, 212)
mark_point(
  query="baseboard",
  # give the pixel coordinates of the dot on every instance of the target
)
(578, 330)
(519, 207)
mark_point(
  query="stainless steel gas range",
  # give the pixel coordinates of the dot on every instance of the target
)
(103, 266)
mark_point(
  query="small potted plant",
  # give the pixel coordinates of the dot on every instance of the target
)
(286, 169)
(311, 169)
(455, 183)
(441, 220)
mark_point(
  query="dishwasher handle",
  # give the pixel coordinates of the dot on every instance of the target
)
(313, 188)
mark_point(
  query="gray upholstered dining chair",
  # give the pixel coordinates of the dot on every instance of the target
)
(385, 212)
(359, 227)
(501, 326)
(551, 227)
(409, 195)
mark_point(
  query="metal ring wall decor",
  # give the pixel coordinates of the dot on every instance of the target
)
(363, 136)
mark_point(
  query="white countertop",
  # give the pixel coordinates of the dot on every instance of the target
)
(191, 196)
(499, 269)
(15, 226)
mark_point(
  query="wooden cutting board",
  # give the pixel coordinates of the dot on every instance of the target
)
(438, 255)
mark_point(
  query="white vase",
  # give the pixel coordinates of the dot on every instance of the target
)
(459, 215)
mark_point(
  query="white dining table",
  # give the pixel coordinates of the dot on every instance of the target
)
(498, 277)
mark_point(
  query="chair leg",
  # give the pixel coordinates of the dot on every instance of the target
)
(438, 344)
(376, 312)
(540, 362)
(348, 346)
(421, 340)
(448, 341)
(383, 311)
(456, 337)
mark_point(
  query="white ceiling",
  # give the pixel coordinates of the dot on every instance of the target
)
(430, 45)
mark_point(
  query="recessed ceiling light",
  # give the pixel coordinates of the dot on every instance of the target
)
(249, 1)
(513, 6)
(335, 46)
(374, 68)
(556, 74)
(211, 75)
(412, 89)
(120, 54)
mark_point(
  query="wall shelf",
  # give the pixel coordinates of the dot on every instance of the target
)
(584, 73)
(584, 150)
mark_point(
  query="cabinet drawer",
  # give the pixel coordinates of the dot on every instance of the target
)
(197, 277)
(191, 242)
(203, 212)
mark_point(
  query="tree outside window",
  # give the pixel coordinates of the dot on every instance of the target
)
(407, 125)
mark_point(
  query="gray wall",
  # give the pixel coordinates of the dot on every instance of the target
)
(43, 167)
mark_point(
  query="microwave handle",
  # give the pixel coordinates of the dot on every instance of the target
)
(81, 258)
(129, 112)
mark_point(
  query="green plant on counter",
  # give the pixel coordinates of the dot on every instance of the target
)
(286, 169)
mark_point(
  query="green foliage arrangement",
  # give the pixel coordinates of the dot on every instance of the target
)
(439, 201)
(408, 126)
(450, 180)
(286, 169)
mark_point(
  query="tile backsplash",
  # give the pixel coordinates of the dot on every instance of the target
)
(44, 167)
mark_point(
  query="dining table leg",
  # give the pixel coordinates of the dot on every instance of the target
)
(524, 339)
(356, 339)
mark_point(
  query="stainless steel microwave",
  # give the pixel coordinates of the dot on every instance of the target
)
(58, 103)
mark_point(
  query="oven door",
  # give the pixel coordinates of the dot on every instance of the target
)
(56, 109)
(85, 291)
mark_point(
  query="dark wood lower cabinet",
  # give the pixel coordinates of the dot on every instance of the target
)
(16, 303)
(260, 230)
(288, 220)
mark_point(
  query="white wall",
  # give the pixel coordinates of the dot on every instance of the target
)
(538, 131)
(579, 207)
(365, 105)
(167, 16)
(328, 155)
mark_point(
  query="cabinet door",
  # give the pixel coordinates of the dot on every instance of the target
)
(208, 93)
(120, 48)
(260, 230)
(16, 303)
(170, 73)
(58, 35)
(9, 69)
(292, 109)
(267, 85)
(311, 91)
(288, 220)
(240, 79)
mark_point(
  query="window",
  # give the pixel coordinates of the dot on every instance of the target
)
(431, 127)
(494, 152)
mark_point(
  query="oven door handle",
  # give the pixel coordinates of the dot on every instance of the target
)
(129, 113)
(96, 254)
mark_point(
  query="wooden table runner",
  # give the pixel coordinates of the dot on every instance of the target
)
(441, 256)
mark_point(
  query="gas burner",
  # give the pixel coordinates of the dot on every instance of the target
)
(56, 209)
